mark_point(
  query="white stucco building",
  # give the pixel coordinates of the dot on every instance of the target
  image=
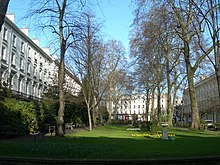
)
(128, 107)
(25, 67)
(207, 98)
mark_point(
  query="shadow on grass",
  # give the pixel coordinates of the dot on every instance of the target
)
(73, 147)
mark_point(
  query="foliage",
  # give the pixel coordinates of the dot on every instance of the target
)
(46, 114)
(75, 113)
(149, 126)
(171, 136)
(19, 114)
(105, 114)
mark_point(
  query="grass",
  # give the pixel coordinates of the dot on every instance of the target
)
(115, 142)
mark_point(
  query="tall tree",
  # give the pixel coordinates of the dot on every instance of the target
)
(185, 19)
(58, 16)
(3, 10)
(115, 60)
(210, 18)
(86, 60)
(186, 16)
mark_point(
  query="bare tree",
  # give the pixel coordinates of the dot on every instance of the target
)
(146, 47)
(3, 10)
(210, 18)
(189, 32)
(115, 60)
(58, 16)
(87, 62)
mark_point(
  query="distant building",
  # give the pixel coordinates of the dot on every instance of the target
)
(207, 98)
(25, 67)
(134, 106)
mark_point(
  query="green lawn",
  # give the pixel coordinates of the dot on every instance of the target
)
(115, 142)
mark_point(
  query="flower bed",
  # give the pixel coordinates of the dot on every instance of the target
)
(154, 136)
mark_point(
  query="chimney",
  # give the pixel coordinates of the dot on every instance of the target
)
(11, 16)
(25, 31)
(36, 41)
(46, 50)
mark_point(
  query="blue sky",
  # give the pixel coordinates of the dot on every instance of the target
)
(116, 16)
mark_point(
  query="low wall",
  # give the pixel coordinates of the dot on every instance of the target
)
(34, 161)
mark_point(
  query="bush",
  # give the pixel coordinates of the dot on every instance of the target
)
(146, 126)
(149, 126)
(20, 115)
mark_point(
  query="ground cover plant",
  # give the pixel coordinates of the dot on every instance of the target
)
(116, 142)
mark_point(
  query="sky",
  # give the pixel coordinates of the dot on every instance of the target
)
(116, 16)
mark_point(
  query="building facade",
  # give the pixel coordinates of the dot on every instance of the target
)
(207, 99)
(25, 67)
(133, 107)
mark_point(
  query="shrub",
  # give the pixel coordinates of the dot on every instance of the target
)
(20, 114)
(146, 126)
(149, 126)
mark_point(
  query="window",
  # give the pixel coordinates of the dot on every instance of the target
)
(14, 41)
(29, 52)
(139, 106)
(22, 47)
(134, 106)
(5, 34)
(29, 67)
(13, 57)
(4, 56)
(41, 66)
(35, 71)
(45, 71)
(21, 64)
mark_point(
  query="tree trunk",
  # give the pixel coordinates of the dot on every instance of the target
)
(194, 106)
(3, 10)
(158, 103)
(153, 113)
(169, 113)
(170, 119)
(60, 120)
(192, 93)
(110, 104)
(61, 73)
(100, 114)
(89, 118)
(147, 104)
(94, 116)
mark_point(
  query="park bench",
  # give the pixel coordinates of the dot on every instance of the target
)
(7, 131)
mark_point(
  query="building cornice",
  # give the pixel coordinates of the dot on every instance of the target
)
(23, 35)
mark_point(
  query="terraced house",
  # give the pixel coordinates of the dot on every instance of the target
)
(133, 107)
(207, 98)
(25, 67)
